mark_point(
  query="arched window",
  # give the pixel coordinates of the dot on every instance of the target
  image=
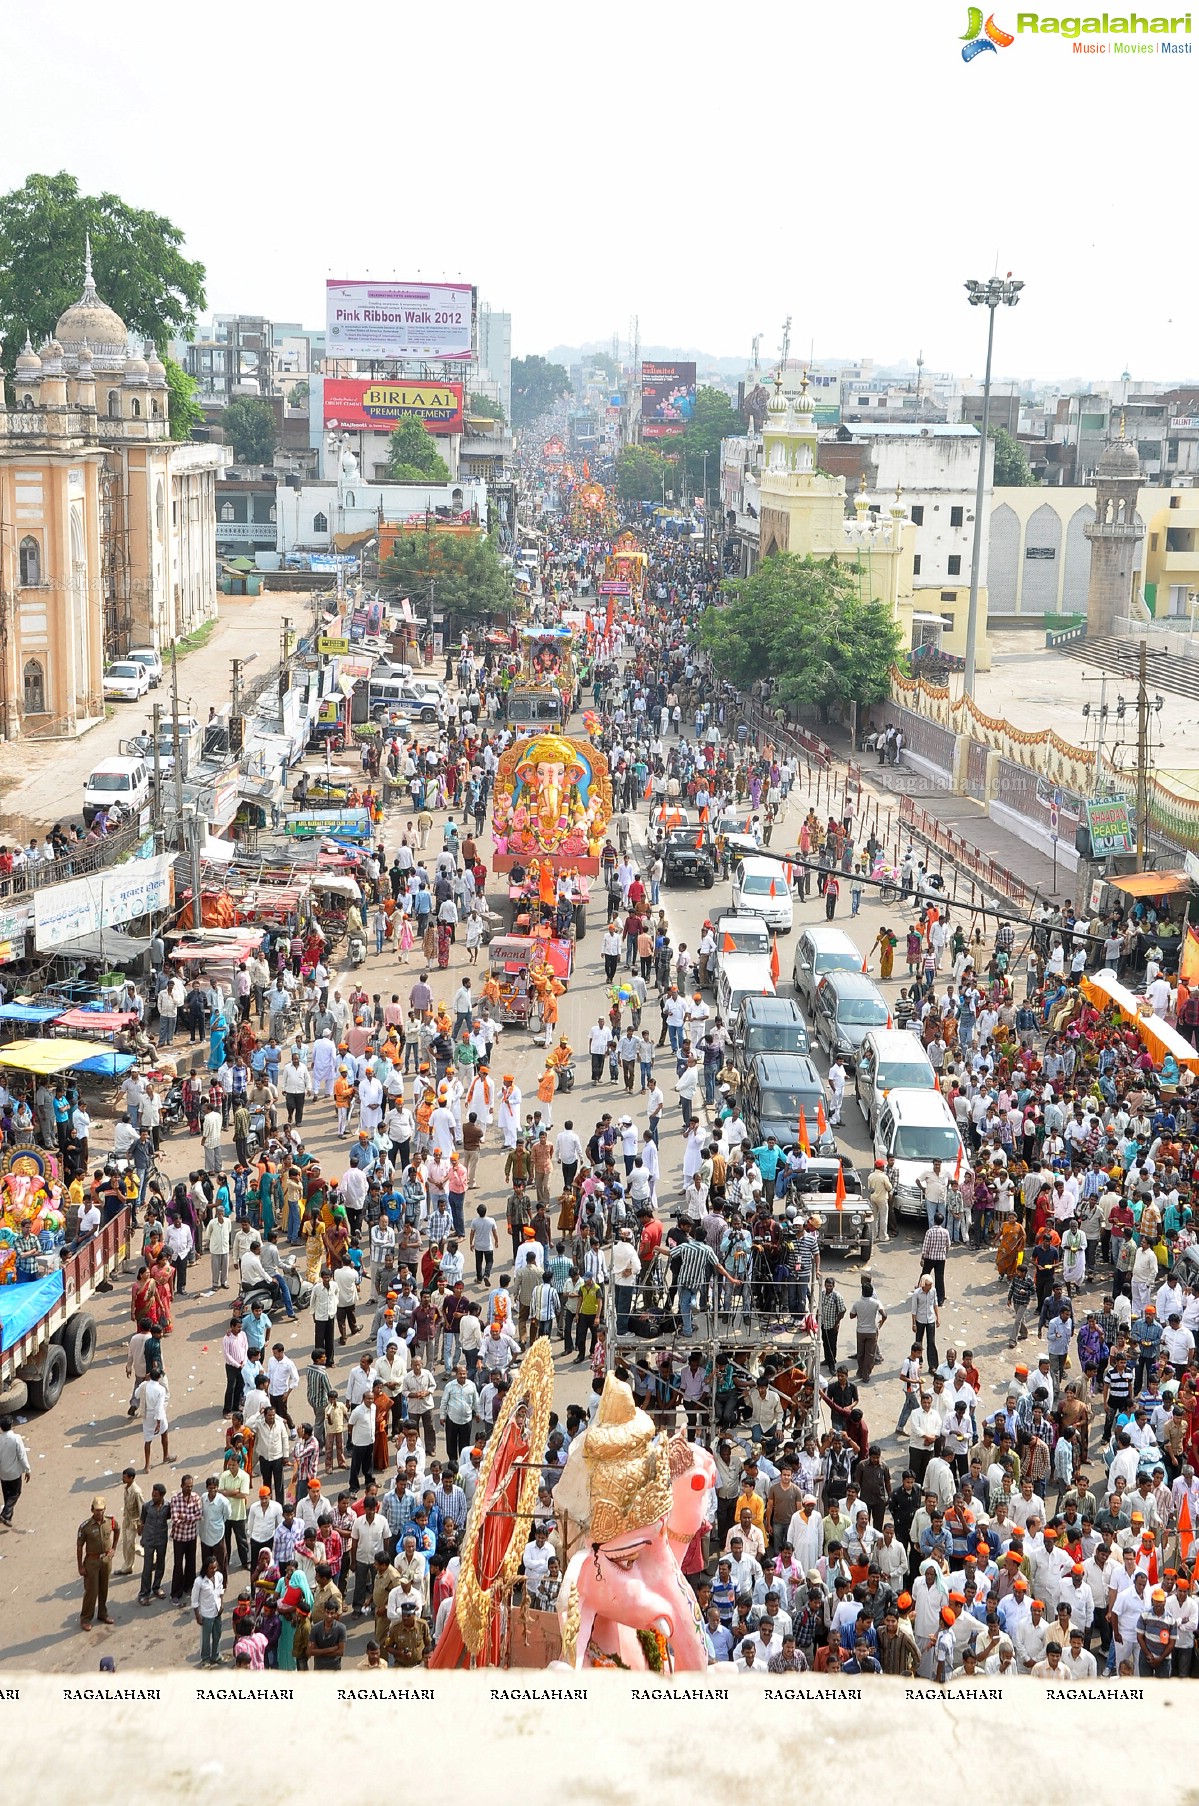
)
(154, 408)
(114, 404)
(160, 513)
(27, 403)
(320, 523)
(350, 499)
(135, 408)
(227, 511)
(456, 500)
(31, 561)
(35, 688)
(274, 513)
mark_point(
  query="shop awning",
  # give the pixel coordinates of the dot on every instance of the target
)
(259, 790)
(103, 1022)
(105, 1065)
(1151, 884)
(109, 944)
(46, 1056)
(26, 1012)
(1103, 989)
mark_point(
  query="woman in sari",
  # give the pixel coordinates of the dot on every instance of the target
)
(312, 1235)
(886, 941)
(264, 1579)
(567, 1211)
(1010, 1247)
(294, 1597)
(143, 1299)
(336, 1239)
(383, 1403)
(163, 1274)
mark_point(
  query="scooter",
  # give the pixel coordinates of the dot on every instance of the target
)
(356, 948)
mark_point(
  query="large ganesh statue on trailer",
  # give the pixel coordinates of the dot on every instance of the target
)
(553, 795)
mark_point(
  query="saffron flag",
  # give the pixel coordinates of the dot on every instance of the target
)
(1186, 1532)
(699, 843)
(840, 1194)
(728, 945)
(957, 1165)
(890, 1023)
(821, 1119)
(866, 967)
(1188, 965)
(705, 813)
(773, 892)
(775, 968)
(546, 889)
(649, 789)
(804, 1144)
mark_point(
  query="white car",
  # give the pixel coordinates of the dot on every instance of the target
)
(760, 888)
(126, 679)
(146, 655)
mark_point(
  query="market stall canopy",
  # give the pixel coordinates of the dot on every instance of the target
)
(26, 1012)
(103, 1022)
(1151, 884)
(111, 944)
(1103, 989)
(46, 1056)
(106, 1065)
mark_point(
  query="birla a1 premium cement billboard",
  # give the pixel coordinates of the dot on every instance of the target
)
(355, 404)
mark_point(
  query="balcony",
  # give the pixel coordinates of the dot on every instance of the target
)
(246, 532)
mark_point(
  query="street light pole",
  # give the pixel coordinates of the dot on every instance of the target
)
(989, 295)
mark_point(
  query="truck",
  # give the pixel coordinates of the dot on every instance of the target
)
(47, 1336)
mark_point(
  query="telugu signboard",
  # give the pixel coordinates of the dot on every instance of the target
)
(667, 399)
(63, 912)
(377, 407)
(399, 319)
(1111, 828)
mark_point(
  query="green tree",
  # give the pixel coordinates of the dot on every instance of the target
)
(715, 418)
(137, 261)
(603, 360)
(639, 474)
(412, 457)
(249, 426)
(183, 410)
(536, 386)
(298, 396)
(1011, 465)
(464, 571)
(484, 408)
(806, 623)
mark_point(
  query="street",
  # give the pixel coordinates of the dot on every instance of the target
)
(41, 781)
(81, 1446)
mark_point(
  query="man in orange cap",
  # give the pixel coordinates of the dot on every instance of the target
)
(944, 1646)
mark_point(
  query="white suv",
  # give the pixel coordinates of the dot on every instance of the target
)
(760, 888)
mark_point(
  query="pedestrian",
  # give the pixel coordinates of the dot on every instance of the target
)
(95, 1541)
(830, 1310)
(185, 1507)
(155, 1534)
(132, 1505)
(15, 1470)
(207, 1596)
(868, 1317)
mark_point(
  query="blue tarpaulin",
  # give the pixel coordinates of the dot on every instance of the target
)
(24, 1304)
(109, 1065)
(28, 1012)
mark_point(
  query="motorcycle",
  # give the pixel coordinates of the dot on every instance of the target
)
(356, 948)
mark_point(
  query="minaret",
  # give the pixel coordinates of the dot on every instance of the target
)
(1115, 537)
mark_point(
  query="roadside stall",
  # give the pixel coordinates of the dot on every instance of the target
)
(1159, 909)
(1103, 989)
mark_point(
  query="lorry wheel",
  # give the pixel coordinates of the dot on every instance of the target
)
(580, 921)
(44, 1393)
(79, 1343)
(15, 1399)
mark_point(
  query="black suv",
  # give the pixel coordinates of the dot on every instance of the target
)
(689, 857)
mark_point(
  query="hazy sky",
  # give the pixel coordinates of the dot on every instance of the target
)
(708, 167)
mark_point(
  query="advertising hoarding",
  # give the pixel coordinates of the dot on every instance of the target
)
(376, 407)
(63, 912)
(398, 319)
(1111, 826)
(667, 399)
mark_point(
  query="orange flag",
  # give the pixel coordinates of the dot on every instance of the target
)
(649, 789)
(957, 1165)
(821, 1119)
(773, 892)
(804, 1143)
(705, 813)
(890, 1023)
(546, 889)
(728, 945)
(775, 968)
(866, 968)
(1186, 1531)
(840, 1193)
(1188, 965)
(699, 843)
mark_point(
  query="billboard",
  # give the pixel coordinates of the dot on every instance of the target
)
(63, 912)
(667, 399)
(398, 319)
(1111, 826)
(376, 407)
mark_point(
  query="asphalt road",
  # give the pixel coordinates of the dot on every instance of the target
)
(81, 1446)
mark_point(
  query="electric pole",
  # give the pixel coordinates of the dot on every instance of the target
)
(175, 742)
(1142, 759)
(155, 726)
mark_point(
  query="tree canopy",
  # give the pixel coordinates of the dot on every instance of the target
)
(249, 426)
(413, 457)
(464, 569)
(640, 471)
(183, 410)
(1011, 465)
(137, 260)
(536, 386)
(484, 408)
(804, 622)
(715, 418)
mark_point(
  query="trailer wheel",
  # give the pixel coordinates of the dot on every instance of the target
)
(79, 1343)
(580, 921)
(44, 1393)
(15, 1399)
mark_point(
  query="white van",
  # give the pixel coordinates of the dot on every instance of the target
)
(889, 1059)
(820, 949)
(760, 888)
(915, 1128)
(123, 782)
(741, 975)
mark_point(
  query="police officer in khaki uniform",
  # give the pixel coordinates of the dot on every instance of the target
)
(409, 1640)
(95, 1541)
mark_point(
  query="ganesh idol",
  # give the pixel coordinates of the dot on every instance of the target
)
(624, 1602)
